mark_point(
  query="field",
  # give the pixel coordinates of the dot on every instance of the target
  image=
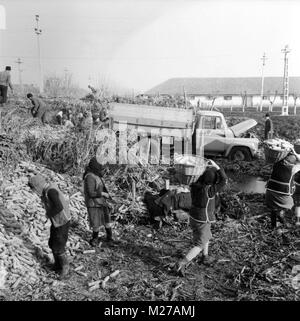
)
(251, 262)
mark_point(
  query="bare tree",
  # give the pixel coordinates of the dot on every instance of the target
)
(61, 86)
(272, 101)
(244, 100)
(295, 96)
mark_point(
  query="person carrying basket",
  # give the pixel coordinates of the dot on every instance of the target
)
(280, 187)
(202, 213)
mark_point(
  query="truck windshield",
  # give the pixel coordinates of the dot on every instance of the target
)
(212, 122)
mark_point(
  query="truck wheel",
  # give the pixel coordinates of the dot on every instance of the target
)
(240, 154)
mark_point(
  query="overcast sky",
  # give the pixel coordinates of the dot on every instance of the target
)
(140, 43)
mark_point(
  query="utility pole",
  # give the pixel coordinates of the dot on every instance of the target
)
(184, 95)
(285, 102)
(262, 80)
(19, 62)
(38, 32)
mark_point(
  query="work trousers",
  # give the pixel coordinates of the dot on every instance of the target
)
(58, 238)
(3, 94)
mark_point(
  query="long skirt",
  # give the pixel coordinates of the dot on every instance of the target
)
(277, 201)
(201, 232)
(99, 216)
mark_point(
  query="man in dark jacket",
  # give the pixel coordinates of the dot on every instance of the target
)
(57, 210)
(202, 212)
(268, 127)
(39, 109)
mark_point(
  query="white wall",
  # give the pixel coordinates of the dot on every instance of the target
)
(236, 101)
(277, 103)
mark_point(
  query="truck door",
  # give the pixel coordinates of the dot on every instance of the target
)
(214, 134)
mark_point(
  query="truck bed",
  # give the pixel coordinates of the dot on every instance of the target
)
(164, 121)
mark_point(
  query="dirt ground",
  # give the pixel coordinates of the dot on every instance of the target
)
(251, 262)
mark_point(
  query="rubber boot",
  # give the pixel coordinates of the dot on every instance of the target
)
(281, 218)
(64, 263)
(56, 265)
(109, 237)
(180, 267)
(273, 219)
(207, 260)
(95, 239)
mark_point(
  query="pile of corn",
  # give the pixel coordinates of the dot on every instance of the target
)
(24, 229)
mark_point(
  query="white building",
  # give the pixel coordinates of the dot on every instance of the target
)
(230, 92)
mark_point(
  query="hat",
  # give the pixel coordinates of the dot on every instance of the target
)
(8, 68)
(38, 183)
(267, 115)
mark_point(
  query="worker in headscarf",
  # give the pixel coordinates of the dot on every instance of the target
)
(57, 210)
(280, 187)
(202, 213)
(103, 116)
(296, 197)
(39, 109)
(96, 196)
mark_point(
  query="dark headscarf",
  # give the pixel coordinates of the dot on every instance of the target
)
(94, 167)
(209, 177)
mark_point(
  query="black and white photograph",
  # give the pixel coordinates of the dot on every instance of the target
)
(150, 153)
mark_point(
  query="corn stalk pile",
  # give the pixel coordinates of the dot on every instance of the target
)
(60, 149)
(24, 230)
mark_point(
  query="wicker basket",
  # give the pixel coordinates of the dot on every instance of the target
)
(297, 148)
(274, 155)
(189, 173)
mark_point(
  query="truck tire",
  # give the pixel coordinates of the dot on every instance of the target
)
(240, 154)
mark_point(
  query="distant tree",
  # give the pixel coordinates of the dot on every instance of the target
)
(62, 86)
(272, 101)
(295, 96)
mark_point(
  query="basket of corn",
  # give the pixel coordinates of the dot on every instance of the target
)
(189, 168)
(276, 150)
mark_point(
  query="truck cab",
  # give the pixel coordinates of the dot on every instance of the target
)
(221, 140)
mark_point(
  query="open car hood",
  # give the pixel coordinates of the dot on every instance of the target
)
(242, 127)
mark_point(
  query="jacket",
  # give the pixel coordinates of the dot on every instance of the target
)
(281, 180)
(39, 108)
(268, 127)
(57, 208)
(5, 79)
(204, 199)
(93, 187)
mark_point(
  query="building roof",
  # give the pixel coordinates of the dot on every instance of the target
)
(224, 86)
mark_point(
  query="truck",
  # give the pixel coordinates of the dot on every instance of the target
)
(174, 125)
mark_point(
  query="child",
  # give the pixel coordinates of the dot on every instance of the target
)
(57, 210)
(202, 212)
